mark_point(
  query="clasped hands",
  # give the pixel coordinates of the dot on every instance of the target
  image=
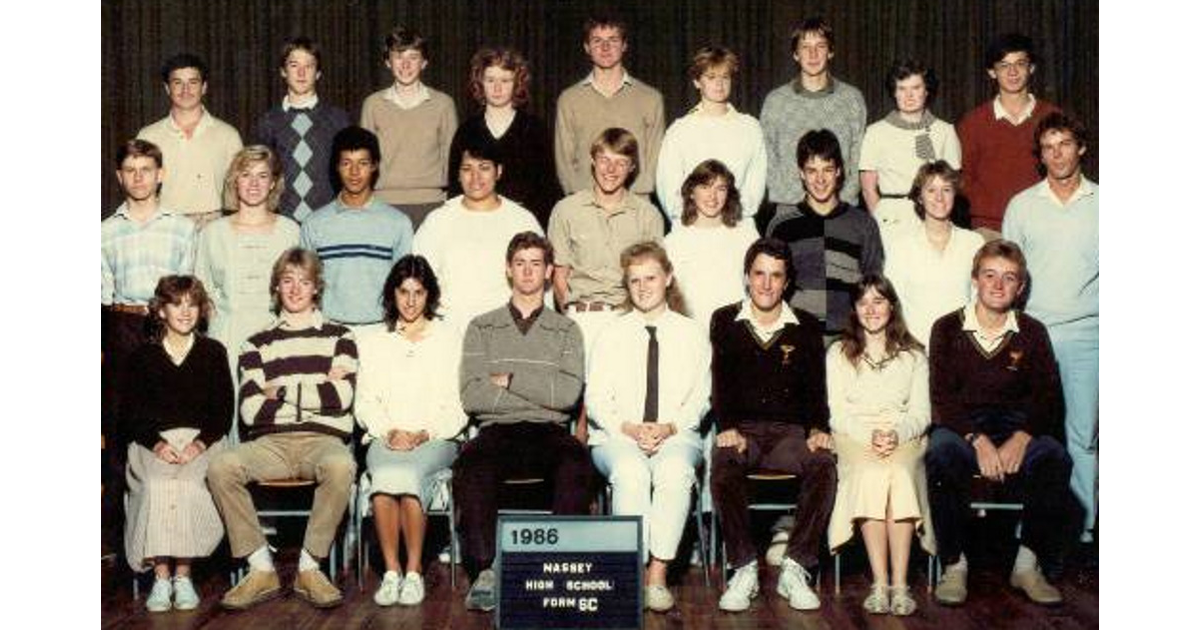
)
(167, 453)
(648, 435)
(401, 440)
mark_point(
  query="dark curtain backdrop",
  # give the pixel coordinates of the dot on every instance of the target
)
(240, 40)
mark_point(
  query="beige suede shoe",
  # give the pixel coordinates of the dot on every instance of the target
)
(316, 589)
(255, 588)
(1036, 587)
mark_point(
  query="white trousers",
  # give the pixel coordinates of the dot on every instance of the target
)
(657, 487)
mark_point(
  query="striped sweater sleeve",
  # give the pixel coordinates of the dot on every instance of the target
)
(326, 397)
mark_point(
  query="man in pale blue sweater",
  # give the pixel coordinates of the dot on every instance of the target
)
(1057, 223)
(813, 100)
(357, 237)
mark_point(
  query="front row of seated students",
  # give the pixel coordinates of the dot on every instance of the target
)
(782, 403)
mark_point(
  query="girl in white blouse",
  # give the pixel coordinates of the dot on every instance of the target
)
(647, 389)
(878, 384)
(408, 403)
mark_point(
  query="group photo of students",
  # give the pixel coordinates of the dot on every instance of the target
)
(411, 285)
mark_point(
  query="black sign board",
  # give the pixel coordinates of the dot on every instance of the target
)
(569, 572)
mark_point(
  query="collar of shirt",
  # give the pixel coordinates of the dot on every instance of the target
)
(307, 103)
(729, 109)
(422, 95)
(798, 87)
(159, 212)
(1085, 189)
(340, 206)
(524, 323)
(999, 111)
(318, 320)
(786, 316)
(626, 204)
(971, 324)
(206, 121)
(626, 79)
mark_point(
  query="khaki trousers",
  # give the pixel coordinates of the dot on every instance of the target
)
(315, 456)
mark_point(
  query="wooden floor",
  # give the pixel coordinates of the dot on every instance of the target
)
(992, 604)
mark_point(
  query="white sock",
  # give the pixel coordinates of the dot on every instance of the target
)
(307, 562)
(960, 565)
(261, 560)
(1026, 560)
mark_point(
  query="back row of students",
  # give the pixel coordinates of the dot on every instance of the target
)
(420, 135)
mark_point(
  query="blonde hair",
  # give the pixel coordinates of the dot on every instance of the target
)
(244, 159)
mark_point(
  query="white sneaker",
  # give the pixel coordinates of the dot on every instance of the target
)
(160, 596)
(389, 589)
(742, 588)
(185, 593)
(412, 591)
(793, 584)
(658, 598)
(777, 548)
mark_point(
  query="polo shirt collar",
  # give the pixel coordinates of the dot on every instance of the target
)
(159, 212)
(1085, 189)
(206, 121)
(626, 78)
(318, 320)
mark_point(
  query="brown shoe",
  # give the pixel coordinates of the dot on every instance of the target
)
(314, 587)
(1036, 587)
(255, 588)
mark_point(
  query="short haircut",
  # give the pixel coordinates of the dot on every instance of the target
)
(1007, 43)
(300, 42)
(181, 61)
(812, 25)
(821, 143)
(1061, 122)
(707, 173)
(711, 57)
(901, 70)
(774, 248)
(353, 138)
(171, 290)
(506, 58)
(308, 262)
(403, 38)
(418, 268)
(242, 160)
(478, 148)
(604, 20)
(929, 170)
(650, 250)
(138, 148)
(1001, 248)
(530, 240)
(621, 142)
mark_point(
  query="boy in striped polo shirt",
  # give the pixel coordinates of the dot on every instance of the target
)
(297, 385)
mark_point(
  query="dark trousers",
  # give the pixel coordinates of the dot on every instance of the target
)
(1042, 484)
(777, 447)
(500, 452)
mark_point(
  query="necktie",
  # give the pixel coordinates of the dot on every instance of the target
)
(651, 409)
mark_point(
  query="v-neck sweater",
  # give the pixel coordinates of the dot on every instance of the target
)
(778, 380)
(1018, 375)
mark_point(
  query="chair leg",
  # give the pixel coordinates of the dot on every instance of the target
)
(700, 540)
(837, 574)
(452, 514)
